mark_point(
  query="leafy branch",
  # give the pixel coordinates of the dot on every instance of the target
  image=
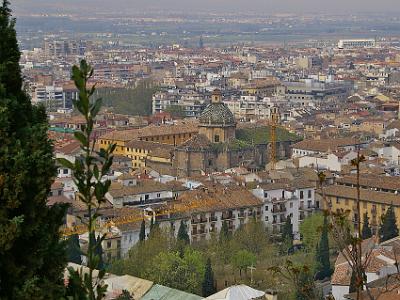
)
(89, 171)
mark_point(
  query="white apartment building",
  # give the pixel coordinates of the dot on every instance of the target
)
(295, 199)
(191, 102)
(44, 94)
(356, 43)
(329, 162)
(248, 108)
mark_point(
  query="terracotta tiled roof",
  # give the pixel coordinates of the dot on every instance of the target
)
(182, 127)
(372, 181)
(198, 143)
(217, 197)
(324, 145)
(365, 195)
(144, 186)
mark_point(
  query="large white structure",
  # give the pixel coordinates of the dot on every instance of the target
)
(295, 199)
(329, 162)
(249, 108)
(356, 43)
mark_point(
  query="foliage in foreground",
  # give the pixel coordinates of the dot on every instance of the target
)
(89, 171)
(32, 258)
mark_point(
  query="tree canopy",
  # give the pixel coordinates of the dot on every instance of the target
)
(32, 258)
(322, 253)
(389, 227)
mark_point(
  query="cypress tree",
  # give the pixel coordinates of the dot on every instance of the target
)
(389, 227)
(142, 234)
(208, 286)
(224, 234)
(366, 230)
(151, 224)
(183, 236)
(74, 250)
(322, 253)
(98, 251)
(32, 258)
(287, 232)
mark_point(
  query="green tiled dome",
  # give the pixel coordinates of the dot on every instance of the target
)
(217, 114)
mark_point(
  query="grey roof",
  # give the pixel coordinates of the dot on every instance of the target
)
(217, 114)
(159, 292)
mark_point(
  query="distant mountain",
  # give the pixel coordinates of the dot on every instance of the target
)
(260, 6)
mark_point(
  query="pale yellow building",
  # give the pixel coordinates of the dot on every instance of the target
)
(137, 143)
(374, 200)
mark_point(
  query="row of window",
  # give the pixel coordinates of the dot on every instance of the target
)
(309, 194)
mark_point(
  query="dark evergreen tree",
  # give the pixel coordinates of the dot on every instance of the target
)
(151, 224)
(208, 285)
(287, 231)
(142, 234)
(366, 230)
(224, 234)
(389, 229)
(74, 249)
(32, 258)
(322, 254)
(98, 251)
(183, 235)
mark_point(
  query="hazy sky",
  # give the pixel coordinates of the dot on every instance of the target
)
(262, 6)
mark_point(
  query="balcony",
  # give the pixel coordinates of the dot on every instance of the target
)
(278, 200)
(228, 216)
(213, 219)
(199, 220)
(278, 209)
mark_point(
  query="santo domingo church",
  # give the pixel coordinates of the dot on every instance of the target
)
(213, 143)
(220, 145)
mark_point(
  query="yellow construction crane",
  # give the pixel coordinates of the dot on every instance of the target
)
(274, 120)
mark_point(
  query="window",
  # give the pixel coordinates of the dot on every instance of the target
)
(301, 195)
(158, 195)
(291, 204)
(265, 194)
(65, 171)
(59, 192)
(266, 208)
(108, 244)
(266, 218)
(216, 138)
(146, 197)
(283, 194)
(309, 193)
(209, 162)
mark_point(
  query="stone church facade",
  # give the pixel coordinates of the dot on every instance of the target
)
(216, 148)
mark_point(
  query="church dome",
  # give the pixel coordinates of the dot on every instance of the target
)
(217, 113)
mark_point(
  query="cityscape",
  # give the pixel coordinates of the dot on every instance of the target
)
(173, 150)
